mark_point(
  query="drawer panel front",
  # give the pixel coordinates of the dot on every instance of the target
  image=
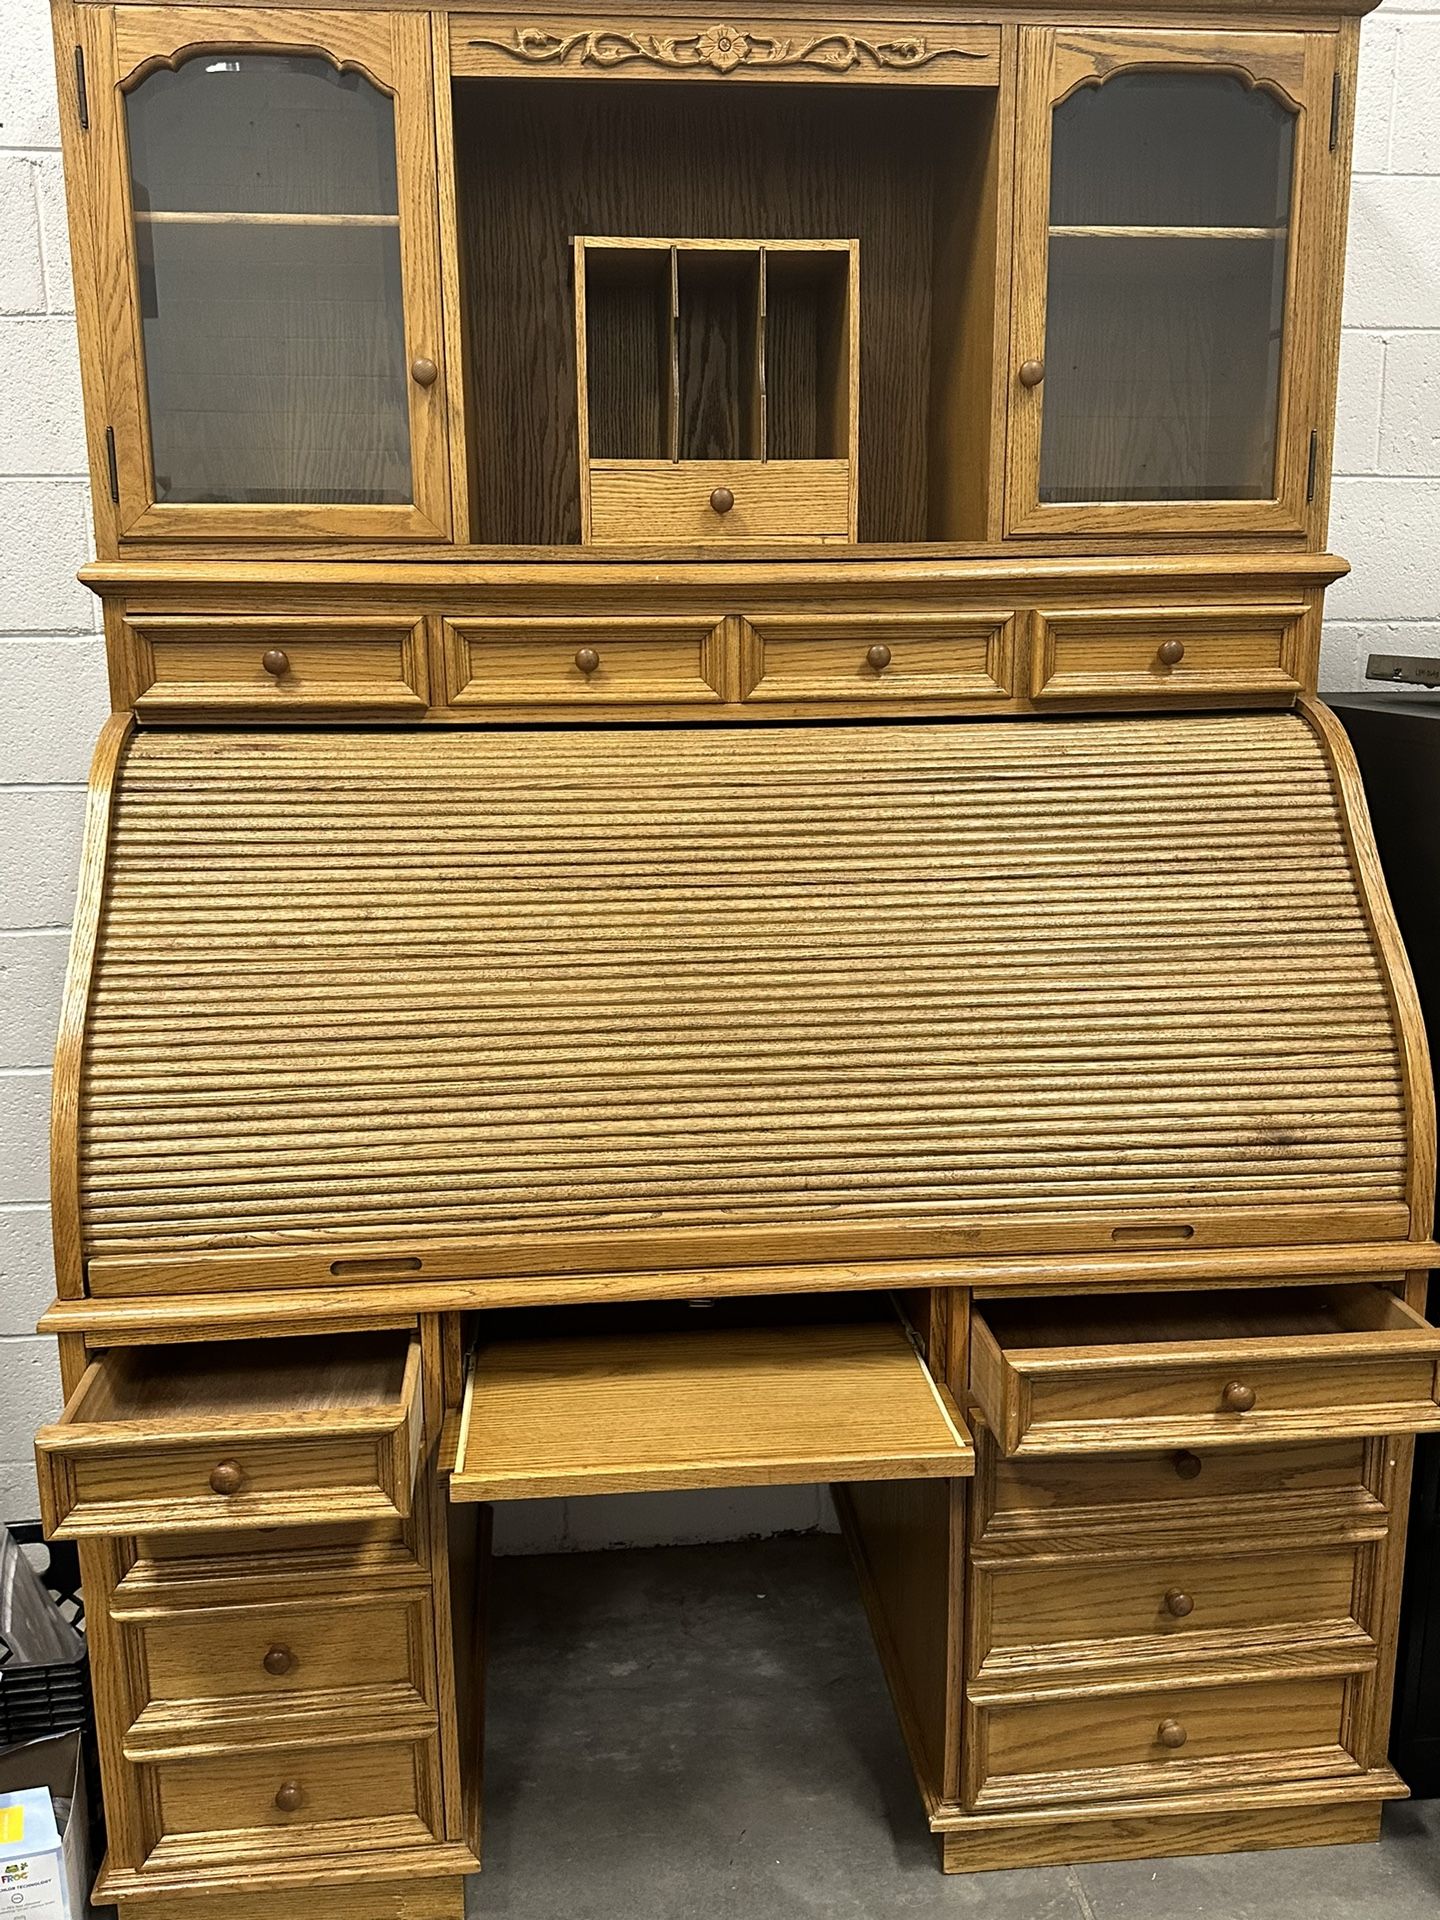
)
(219, 1435)
(276, 668)
(1192, 1403)
(1159, 1740)
(270, 1652)
(671, 500)
(584, 662)
(1168, 655)
(879, 658)
(1053, 1489)
(289, 1789)
(119, 1492)
(1185, 1595)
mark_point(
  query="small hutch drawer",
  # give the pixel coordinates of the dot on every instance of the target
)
(276, 669)
(880, 658)
(1168, 655)
(235, 1434)
(718, 500)
(592, 662)
(1115, 1373)
(1034, 1752)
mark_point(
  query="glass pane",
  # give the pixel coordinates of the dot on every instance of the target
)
(1169, 229)
(268, 238)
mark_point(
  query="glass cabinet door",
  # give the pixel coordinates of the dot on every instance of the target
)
(281, 370)
(1162, 328)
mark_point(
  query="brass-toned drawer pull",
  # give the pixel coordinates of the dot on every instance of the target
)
(1178, 1605)
(276, 662)
(587, 660)
(1171, 1734)
(879, 656)
(227, 1478)
(424, 371)
(1170, 653)
(289, 1796)
(722, 500)
(1032, 372)
(278, 1661)
(1237, 1397)
(1188, 1465)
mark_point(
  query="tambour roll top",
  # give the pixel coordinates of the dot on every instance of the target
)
(508, 1001)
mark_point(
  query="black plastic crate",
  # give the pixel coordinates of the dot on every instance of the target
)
(35, 1701)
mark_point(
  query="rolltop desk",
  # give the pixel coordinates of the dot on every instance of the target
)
(716, 864)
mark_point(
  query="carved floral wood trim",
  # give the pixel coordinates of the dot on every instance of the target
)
(721, 48)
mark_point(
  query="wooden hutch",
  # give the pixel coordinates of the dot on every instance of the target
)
(716, 863)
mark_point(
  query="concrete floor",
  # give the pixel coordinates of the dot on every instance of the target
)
(704, 1731)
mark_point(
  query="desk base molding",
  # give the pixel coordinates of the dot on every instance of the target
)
(987, 1844)
(393, 1889)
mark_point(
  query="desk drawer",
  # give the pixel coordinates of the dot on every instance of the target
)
(1037, 1611)
(274, 1654)
(1038, 1492)
(643, 500)
(287, 1793)
(1168, 656)
(203, 1437)
(1039, 1752)
(583, 662)
(276, 669)
(1117, 1373)
(880, 658)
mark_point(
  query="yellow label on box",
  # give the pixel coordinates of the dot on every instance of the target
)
(12, 1826)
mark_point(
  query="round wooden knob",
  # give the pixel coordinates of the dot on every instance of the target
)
(587, 660)
(227, 1478)
(289, 1796)
(879, 657)
(1237, 1398)
(278, 1661)
(1032, 372)
(1178, 1605)
(275, 662)
(722, 500)
(1171, 653)
(1188, 1465)
(424, 372)
(1170, 1733)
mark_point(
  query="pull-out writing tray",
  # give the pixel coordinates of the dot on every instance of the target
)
(726, 1407)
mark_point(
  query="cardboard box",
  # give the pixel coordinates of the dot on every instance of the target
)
(44, 1852)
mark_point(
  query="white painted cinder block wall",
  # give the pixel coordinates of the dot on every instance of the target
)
(1386, 519)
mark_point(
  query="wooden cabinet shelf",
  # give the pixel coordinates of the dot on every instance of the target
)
(1165, 233)
(155, 217)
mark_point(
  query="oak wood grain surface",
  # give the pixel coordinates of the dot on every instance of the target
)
(744, 1407)
(721, 1018)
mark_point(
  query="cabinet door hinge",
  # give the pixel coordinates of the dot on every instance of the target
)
(1334, 112)
(114, 469)
(1314, 459)
(82, 92)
